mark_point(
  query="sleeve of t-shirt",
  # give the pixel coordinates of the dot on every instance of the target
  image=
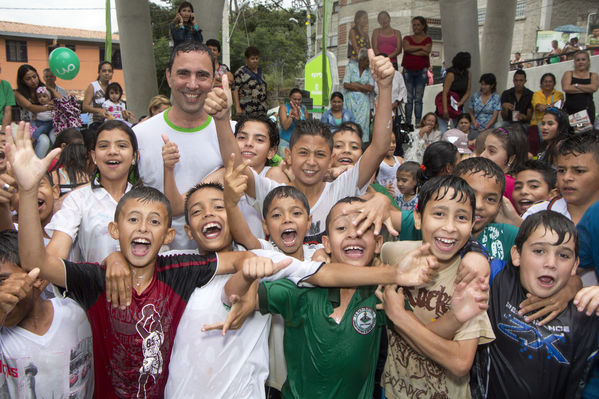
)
(8, 94)
(68, 217)
(187, 272)
(535, 208)
(85, 282)
(237, 81)
(262, 185)
(347, 183)
(478, 327)
(504, 97)
(588, 227)
(537, 98)
(408, 229)
(280, 297)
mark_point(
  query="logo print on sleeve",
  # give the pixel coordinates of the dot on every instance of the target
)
(150, 330)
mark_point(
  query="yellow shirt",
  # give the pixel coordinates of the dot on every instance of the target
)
(539, 98)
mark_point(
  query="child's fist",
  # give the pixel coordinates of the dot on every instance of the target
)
(381, 69)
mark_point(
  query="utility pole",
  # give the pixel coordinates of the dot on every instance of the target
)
(226, 52)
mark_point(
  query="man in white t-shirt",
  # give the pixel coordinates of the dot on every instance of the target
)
(190, 76)
(46, 345)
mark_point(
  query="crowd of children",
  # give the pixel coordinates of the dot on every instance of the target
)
(343, 272)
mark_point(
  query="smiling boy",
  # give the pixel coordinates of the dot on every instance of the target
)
(528, 360)
(534, 182)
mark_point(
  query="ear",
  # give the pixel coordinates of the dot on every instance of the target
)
(265, 228)
(136, 157)
(554, 192)
(113, 229)
(288, 154)
(326, 244)
(168, 77)
(271, 152)
(515, 256)
(378, 243)
(169, 236)
(55, 191)
(417, 220)
(188, 232)
(575, 267)
(93, 154)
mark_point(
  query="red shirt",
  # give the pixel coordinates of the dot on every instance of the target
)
(413, 62)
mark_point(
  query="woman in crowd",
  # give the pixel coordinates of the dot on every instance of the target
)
(545, 98)
(457, 80)
(337, 113)
(485, 104)
(555, 53)
(289, 113)
(424, 135)
(28, 81)
(415, 62)
(184, 27)
(95, 94)
(386, 39)
(358, 85)
(157, 104)
(358, 35)
(579, 86)
(219, 69)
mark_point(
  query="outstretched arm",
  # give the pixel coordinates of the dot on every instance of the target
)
(29, 170)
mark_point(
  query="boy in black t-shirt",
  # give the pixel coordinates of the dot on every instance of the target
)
(528, 360)
(132, 346)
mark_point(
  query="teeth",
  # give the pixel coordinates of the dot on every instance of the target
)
(209, 226)
(353, 248)
(113, 162)
(190, 95)
(446, 241)
(309, 172)
(142, 241)
(289, 231)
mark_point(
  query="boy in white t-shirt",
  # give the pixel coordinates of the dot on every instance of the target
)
(46, 345)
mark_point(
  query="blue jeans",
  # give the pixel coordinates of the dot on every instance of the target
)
(41, 135)
(415, 82)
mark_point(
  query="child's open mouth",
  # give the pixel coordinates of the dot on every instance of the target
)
(345, 161)
(140, 246)
(40, 204)
(546, 281)
(353, 251)
(445, 244)
(211, 230)
(289, 237)
(525, 204)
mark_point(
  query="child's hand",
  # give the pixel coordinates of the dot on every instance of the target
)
(27, 167)
(549, 307)
(392, 301)
(507, 213)
(320, 255)
(8, 188)
(381, 69)
(418, 267)
(235, 182)
(118, 280)
(258, 267)
(170, 153)
(333, 173)
(473, 265)
(469, 300)
(587, 300)
(374, 211)
(218, 101)
(14, 289)
(241, 308)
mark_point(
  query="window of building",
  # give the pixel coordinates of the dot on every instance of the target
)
(435, 33)
(16, 51)
(333, 41)
(335, 7)
(482, 13)
(52, 48)
(116, 58)
(521, 9)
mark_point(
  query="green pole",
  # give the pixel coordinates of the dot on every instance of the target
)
(327, 9)
(108, 42)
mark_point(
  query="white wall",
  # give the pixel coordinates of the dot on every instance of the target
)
(533, 77)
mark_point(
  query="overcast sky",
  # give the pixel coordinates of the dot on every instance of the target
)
(87, 14)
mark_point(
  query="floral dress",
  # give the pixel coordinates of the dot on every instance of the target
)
(357, 102)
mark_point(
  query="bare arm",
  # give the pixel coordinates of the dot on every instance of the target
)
(466, 95)
(86, 104)
(493, 120)
(449, 78)
(25, 103)
(398, 47)
(285, 119)
(569, 88)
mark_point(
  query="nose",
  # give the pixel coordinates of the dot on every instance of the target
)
(143, 226)
(568, 176)
(311, 159)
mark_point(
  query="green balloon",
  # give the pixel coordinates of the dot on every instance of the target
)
(64, 63)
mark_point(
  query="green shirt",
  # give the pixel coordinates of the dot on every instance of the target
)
(383, 190)
(325, 359)
(498, 239)
(7, 97)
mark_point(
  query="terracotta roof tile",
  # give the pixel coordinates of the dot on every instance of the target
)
(53, 32)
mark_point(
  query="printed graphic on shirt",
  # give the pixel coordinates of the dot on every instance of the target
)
(150, 330)
(492, 243)
(364, 320)
(432, 300)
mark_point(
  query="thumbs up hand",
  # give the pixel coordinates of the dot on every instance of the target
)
(218, 102)
(170, 153)
(381, 69)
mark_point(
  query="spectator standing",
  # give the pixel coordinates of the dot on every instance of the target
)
(515, 64)
(386, 39)
(415, 62)
(220, 69)
(184, 27)
(7, 100)
(50, 80)
(579, 86)
(594, 40)
(289, 113)
(95, 94)
(457, 80)
(358, 35)
(545, 98)
(555, 53)
(358, 86)
(249, 88)
(516, 103)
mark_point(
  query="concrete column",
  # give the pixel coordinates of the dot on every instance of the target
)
(209, 14)
(459, 24)
(137, 53)
(224, 43)
(497, 40)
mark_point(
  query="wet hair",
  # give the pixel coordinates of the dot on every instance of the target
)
(461, 61)
(74, 160)
(337, 94)
(311, 127)
(520, 72)
(114, 86)
(422, 20)
(133, 178)
(144, 195)
(295, 90)
(545, 75)
(549, 220)
(583, 143)
(547, 172)
(515, 142)
(489, 79)
(359, 14)
(22, 88)
(213, 43)
(67, 136)
(251, 52)
(437, 157)
(563, 132)
(101, 64)
(414, 169)
(157, 101)
(9, 247)
(350, 127)
(437, 189)
(189, 47)
(346, 200)
(284, 192)
(488, 168)
(198, 187)
(273, 131)
(426, 116)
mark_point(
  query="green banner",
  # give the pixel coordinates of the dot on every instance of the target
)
(314, 80)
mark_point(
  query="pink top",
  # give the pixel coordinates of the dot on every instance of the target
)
(387, 45)
(509, 188)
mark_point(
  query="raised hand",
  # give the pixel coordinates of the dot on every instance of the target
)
(235, 182)
(381, 69)
(14, 289)
(218, 102)
(469, 300)
(375, 211)
(418, 267)
(27, 167)
(170, 152)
